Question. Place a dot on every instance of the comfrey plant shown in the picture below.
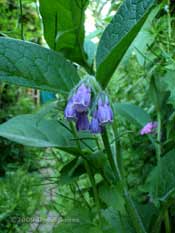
(96, 153)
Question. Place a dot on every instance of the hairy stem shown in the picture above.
(109, 152)
(132, 211)
(90, 174)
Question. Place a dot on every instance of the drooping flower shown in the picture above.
(69, 112)
(104, 112)
(82, 121)
(82, 98)
(148, 128)
(94, 125)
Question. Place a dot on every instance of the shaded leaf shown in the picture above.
(169, 82)
(112, 197)
(71, 171)
(116, 222)
(64, 26)
(78, 220)
(161, 181)
(132, 113)
(147, 212)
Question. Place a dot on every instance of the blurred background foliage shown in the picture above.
(151, 54)
(20, 197)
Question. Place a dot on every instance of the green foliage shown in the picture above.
(29, 65)
(118, 36)
(44, 133)
(17, 199)
(113, 197)
(161, 182)
(71, 171)
(132, 113)
(99, 176)
(64, 27)
(10, 24)
(90, 49)
(80, 219)
(169, 83)
(115, 222)
(144, 39)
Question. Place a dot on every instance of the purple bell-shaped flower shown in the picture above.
(94, 125)
(69, 112)
(104, 112)
(82, 98)
(82, 121)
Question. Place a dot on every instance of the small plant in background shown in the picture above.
(91, 131)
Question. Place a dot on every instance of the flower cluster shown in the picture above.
(149, 128)
(77, 109)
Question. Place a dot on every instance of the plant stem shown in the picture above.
(158, 135)
(92, 180)
(21, 20)
(109, 152)
(118, 156)
(132, 211)
(159, 124)
(169, 26)
(90, 174)
(167, 222)
(82, 196)
(95, 192)
(75, 135)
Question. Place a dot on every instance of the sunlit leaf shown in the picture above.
(27, 64)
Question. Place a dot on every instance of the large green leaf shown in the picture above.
(132, 113)
(32, 130)
(64, 26)
(161, 181)
(30, 65)
(118, 36)
(144, 39)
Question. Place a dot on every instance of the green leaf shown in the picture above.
(147, 213)
(112, 197)
(30, 65)
(144, 39)
(78, 220)
(161, 181)
(64, 26)
(32, 130)
(71, 171)
(132, 113)
(169, 85)
(116, 223)
(90, 49)
(118, 36)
